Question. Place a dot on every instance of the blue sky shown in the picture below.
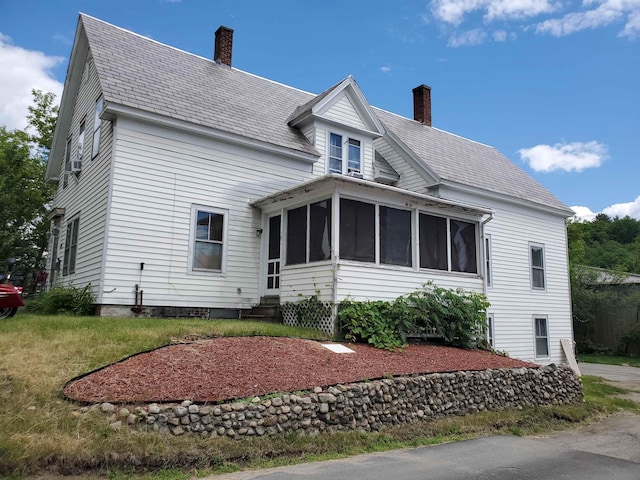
(553, 84)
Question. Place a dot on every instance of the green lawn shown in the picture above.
(609, 359)
(42, 434)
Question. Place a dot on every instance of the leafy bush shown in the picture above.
(59, 299)
(376, 322)
(458, 317)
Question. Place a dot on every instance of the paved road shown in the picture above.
(606, 450)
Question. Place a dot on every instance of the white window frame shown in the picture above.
(192, 239)
(491, 334)
(488, 258)
(536, 336)
(345, 142)
(95, 147)
(70, 248)
(533, 267)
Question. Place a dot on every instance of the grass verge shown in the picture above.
(41, 434)
(609, 359)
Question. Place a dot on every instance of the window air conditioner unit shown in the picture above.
(76, 165)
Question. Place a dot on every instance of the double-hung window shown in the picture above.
(71, 247)
(96, 127)
(536, 253)
(488, 274)
(208, 239)
(345, 156)
(542, 336)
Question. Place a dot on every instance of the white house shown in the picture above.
(188, 187)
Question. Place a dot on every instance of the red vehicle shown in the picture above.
(10, 296)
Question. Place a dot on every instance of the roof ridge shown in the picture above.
(194, 54)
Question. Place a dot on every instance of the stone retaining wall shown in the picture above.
(364, 406)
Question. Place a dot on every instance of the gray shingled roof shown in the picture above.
(466, 162)
(137, 72)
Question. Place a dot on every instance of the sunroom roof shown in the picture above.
(309, 187)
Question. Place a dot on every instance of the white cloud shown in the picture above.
(623, 209)
(632, 27)
(575, 17)
(385, 69)
(575, 156)
(605, 13)
(583, 214)
(21, 71)
(454, 11)
(470, 37)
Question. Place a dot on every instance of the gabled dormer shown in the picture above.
(342, 126)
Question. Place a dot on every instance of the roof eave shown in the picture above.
(564, 211)
(303, 187)
(79, 53)
(112, 110)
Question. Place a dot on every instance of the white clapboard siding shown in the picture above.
(86, 194)
(342, 111)
(513, 302)
(409, 177)
(361, 281)
(158, 176)
(308, 280)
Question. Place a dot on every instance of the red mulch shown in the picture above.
(239, 367)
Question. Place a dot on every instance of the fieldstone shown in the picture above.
(180, 411)
(154, 409)
(193, 409)
(107, 407)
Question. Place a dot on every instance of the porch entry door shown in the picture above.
(273, 255)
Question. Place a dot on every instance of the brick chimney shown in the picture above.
(223, 45)
(422, 104)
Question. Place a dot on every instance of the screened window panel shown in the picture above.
(357, 231)
(297, 236)
(274, 237)
(395, 236)
(433, 242)
(320, 231)
(463, 247)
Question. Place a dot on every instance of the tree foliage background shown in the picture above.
(606, 243)
(24, 193)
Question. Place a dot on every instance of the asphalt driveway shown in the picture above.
(609, 449)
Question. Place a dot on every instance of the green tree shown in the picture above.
(25, 194)
(43, 116)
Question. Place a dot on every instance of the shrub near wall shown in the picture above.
(362, 406)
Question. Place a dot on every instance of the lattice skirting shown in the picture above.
(309, 313)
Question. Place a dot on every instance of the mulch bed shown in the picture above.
(239, 367)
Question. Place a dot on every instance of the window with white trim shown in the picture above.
(541, 336)
(208, 239)
(345, 155)
(96, 127)
(71, 247)
(488, 274)
(490, 330)
(536, 253)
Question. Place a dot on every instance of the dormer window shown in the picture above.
(345, 157)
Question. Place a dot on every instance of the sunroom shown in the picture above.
(340, 237)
